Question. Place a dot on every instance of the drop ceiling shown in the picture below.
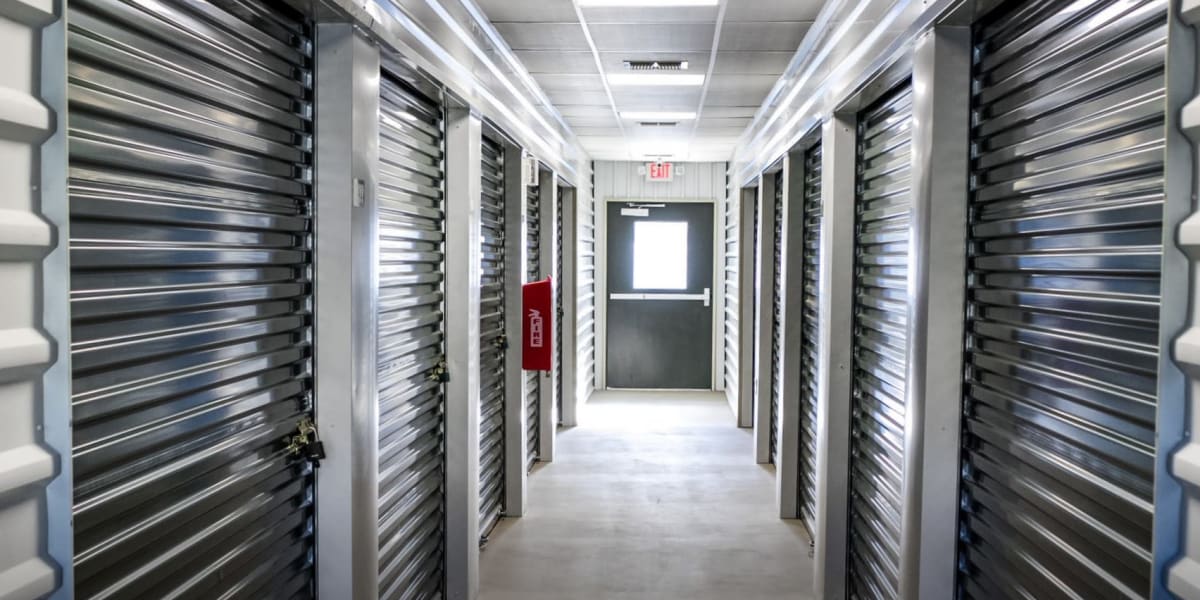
(741, 46)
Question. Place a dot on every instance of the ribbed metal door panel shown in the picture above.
(810, 288)
(777, 317)
(558, 304)
(410, 340)
(882, 206)
(1062, 332)
(585, 309)
(491, 342)
(533, 379)
(190, 190)
(732, 304)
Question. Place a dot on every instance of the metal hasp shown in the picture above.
(191, 297)
(1065, 295)
(35, 434)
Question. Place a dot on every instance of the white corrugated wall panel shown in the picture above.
(32, 407)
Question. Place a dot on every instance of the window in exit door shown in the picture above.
(660, 252)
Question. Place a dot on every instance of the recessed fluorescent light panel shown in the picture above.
(655, 79)
(648, 3)
(650, 115)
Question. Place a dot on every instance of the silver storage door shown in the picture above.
(732, 295)
(777, 317)
(533, 379)
(882, 205)
(559, 313)
(492, 342)
(810, 289)
(1063, 292)
(585, 298)
(191, 298)
(410, 342)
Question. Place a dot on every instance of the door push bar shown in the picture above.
(706, 296)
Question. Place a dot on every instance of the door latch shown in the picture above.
(440, 373)
(305, 443)
(501, 342)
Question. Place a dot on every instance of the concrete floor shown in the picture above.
(653, 496)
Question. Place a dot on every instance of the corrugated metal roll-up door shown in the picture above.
(1063, 301)
(191, 298)
(882, 206)
(732, 295)
(410, 343)
(777, 317)
(533, 379)
(585, 302)
(492, 342)
(558, 305)
(810, 340)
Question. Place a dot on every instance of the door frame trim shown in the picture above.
(602, 294)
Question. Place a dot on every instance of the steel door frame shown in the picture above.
(764, 309)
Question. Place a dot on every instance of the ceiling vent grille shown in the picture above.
(656, 65)
(658, 123)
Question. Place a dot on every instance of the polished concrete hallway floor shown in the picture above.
(653, 496)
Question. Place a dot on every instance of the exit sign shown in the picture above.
(659, 171)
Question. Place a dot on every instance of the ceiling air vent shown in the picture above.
(656, 65)
(658, 123)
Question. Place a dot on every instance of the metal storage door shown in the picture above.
(810, 336)
(191, 298)
(882, 205)
(732, 295)
(410, 343)
(533, 379)
(492, 342)
(558, 304)
(777, 317)
(585, 307)
(1063, 300)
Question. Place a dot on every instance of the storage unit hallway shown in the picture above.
(599, 299)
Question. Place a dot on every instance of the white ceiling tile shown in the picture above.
(753, 63)
(763, 37)
(590, 85)
(557, 61)
(772, 10)
(653, 37)
(729, 111)
(623, 15)
(528, 11)
(543, 36)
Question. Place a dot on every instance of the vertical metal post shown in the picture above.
(569, 321)
(834, 361)
(936, 289)
(787, 471)
(745, 324)
(548, 399)
(347, 157)
(1177, 469)
(763, 290)
(515, 258)
(463, 248)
